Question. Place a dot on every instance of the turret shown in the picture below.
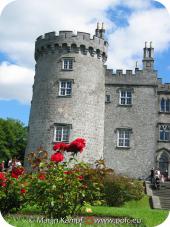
(69, 92)
(148, 57)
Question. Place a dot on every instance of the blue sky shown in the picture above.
(129, 23)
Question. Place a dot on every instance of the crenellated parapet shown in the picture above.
(164, 88)
(130, 77)
(67, 42)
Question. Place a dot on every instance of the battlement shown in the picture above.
(164, 88)
(67, 41)
(138, 77)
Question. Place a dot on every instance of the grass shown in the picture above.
(133, 209)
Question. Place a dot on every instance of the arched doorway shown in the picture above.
(163, 163)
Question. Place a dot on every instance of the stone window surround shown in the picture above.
(68, 59)
(165, 107)
(124, 129)
(62, 126)
(125, 89)
(160, 125)
(59, 88)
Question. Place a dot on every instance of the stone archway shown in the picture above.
(163, 162)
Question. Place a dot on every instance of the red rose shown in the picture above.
(17, 171)
(80, 177)
(77, 145)
(2, 179)
(23, 191)
(14, 175)
(67, 172)
(57, 157)
(42, 176)
(60, 146)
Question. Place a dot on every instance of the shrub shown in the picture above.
(56, 189)
(120, 189)
(12, 190)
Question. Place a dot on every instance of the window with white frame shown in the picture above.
(125, 97)
(65, 87)
(164, 132)
(61, 133)
(123, 138)
(67, 64)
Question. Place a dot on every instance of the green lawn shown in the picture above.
(133, 209)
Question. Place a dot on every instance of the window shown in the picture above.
(125, 97)
(107, 98)
(164, 133)
(65, 87)
(165, 105)
(123, 138)
(62, 133)
(67, 64)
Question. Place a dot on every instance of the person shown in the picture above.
(159, 173)
(157, 182)
(162, 178)
(2, 166)
(11, 164)
(152, 175)
(17, 163)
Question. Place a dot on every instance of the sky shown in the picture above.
(128, 23)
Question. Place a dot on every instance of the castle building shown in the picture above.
(125, 118)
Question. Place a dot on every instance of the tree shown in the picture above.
(13, 139)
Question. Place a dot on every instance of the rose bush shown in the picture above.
(59, 189)
(12, 190)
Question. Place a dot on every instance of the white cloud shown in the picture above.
(23, 21)
(15, 82)
(126, 43)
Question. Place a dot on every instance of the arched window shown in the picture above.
(64, 46)
(91, 50)
(163, 162)
(162, 105)
(168, 105)
(82, 49)
(73, 47)
(98, 53)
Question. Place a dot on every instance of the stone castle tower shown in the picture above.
(69, 91)
(125, 117)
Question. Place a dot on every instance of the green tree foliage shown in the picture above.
(13, 139)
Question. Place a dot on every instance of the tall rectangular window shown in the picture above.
(65, 87)
(125, 97)
(67, 64)
(62, 133)
(123, 138)
(165, 105)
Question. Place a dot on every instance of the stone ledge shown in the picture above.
(148, 189)
(156, 202)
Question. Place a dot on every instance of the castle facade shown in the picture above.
(124, 117)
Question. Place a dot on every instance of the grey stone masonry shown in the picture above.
(121, 115)
(83, 109)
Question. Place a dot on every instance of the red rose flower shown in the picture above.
(80, 177)
(67, 172)
(57, 157)
(2, 179)
(23, 191)
(17, 171)
(77, 145)
(60, 146)
(42, 176)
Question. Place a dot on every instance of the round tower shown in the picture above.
(69, 92)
